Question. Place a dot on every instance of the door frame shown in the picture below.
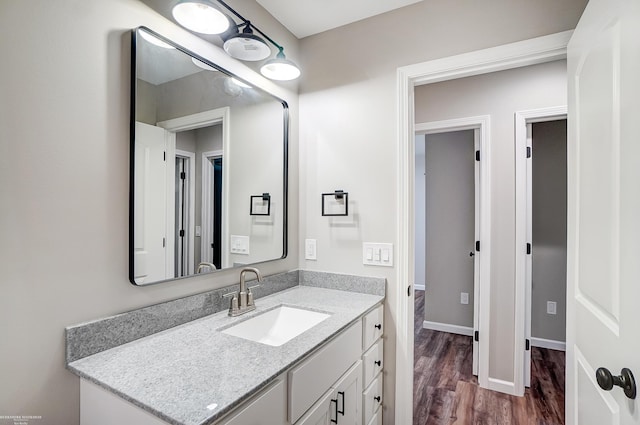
(191, 157)
(481, 125)
(522, 122)
(207, 213)
(205, 119)
(524, 53)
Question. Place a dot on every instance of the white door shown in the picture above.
(603, 211)
(151, 205)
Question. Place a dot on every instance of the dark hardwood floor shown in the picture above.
(446, 392)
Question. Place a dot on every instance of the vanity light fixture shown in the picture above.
(204, 17)
(280, 68)
(246, 45)
(201, 16)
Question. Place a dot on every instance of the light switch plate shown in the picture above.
(377, 254)
(464, 298)
(239, 244)
(310, 249)
(551, 307)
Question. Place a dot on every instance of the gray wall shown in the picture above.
(450, 227)
(64, 185)
(348, 127)
(549, 216)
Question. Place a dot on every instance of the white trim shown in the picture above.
(523, 230)
(206, 238)
(418, 287)
(549, 343)
(506, 387)
(528, 52)
(170, 203)
(482, 263)
(191, 156)
(204, 119)
(445, 327)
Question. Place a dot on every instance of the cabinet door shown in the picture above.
(322, 413)
(268, 407)
(348, 393)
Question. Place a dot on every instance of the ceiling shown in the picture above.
(308, 17)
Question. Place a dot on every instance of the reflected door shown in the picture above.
(150, 204)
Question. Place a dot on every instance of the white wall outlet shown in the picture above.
(239, 244)
(464, 298)
(377, 254)
(198, 231)
(310, 249)
(551, 307)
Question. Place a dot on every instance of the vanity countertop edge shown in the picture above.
(178, 374)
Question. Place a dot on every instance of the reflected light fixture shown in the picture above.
(204, 17)
(202, 65)
(155, 40)
(200, 16)
(246, 45)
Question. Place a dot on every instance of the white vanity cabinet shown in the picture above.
(341, 404)
(373, 363)
(339, 383)
(270, 406)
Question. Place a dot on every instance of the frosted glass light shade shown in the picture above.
(200, 17)
(155, 40)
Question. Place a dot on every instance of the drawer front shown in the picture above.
(372, 327)
(311, 378)
(372, 399)
(268, 407)
(373, 362)
(377, 418)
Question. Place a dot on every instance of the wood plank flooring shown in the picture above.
(446, 392)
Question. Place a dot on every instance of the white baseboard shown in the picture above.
(418, 286)
(499, 385)
(444, 327)
(549, 343)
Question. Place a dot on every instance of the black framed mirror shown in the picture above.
(204, 143)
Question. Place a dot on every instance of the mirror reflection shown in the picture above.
(208, 161)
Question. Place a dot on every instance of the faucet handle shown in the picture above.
(233, 305)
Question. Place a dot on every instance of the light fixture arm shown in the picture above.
(247, 22)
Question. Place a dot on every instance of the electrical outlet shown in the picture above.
(464, 298)
(551, 307)
(310, 249)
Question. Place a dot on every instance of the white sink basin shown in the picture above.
(277, 326)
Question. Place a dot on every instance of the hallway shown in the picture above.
(445, 391)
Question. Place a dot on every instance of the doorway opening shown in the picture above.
(541, 231)
(184, 203)
(524, 53)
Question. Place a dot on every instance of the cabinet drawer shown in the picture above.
(372, 327)
(373, 362)
(311, 378)
(269, 406)
(372, 399)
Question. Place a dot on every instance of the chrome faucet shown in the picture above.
(242, 302)
(205, 264)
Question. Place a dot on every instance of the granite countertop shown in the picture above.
(180, 374)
